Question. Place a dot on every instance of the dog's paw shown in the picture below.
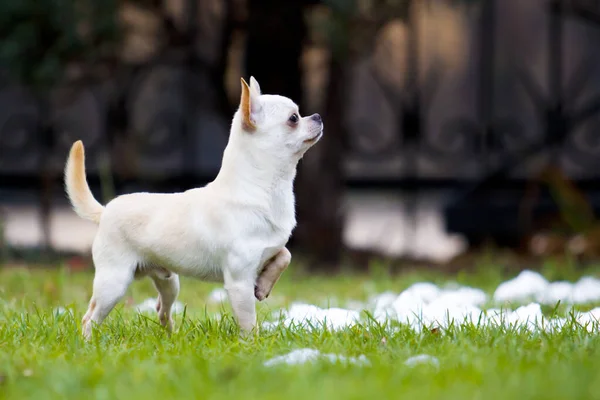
(250, 334)
(260, 293)
(166, 321)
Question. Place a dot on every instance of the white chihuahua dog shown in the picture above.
(234, 230)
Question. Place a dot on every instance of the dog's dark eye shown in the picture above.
(293, 119)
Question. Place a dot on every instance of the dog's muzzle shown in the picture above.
(315, 138)
(316, 118)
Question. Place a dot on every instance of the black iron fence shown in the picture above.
(495, 122)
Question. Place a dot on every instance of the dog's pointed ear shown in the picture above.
(250, 106)
(254, 86)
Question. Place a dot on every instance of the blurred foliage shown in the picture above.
(3, 246)
(351, 26)
(464, 2)
(575, 210)
(41, 37)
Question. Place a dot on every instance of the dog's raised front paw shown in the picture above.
(260, 293)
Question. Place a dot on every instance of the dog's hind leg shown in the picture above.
(167, 284)
(89, 312)
(271, 273)
(110, 285)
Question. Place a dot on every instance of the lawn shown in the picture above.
(42, 354)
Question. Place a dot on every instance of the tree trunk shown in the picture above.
(219, 70)
(320, 185)
(275, 36)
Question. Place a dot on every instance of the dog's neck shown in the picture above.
(246, 174)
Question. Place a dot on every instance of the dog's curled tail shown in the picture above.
(80, 195)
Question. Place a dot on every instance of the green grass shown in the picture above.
(42, 354)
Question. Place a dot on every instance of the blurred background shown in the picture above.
(452, 127)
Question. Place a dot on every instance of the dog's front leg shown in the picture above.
(271, 273)
(240, 290)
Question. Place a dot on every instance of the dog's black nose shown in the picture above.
(316, 117)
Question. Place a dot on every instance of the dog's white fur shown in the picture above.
(234, 230)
